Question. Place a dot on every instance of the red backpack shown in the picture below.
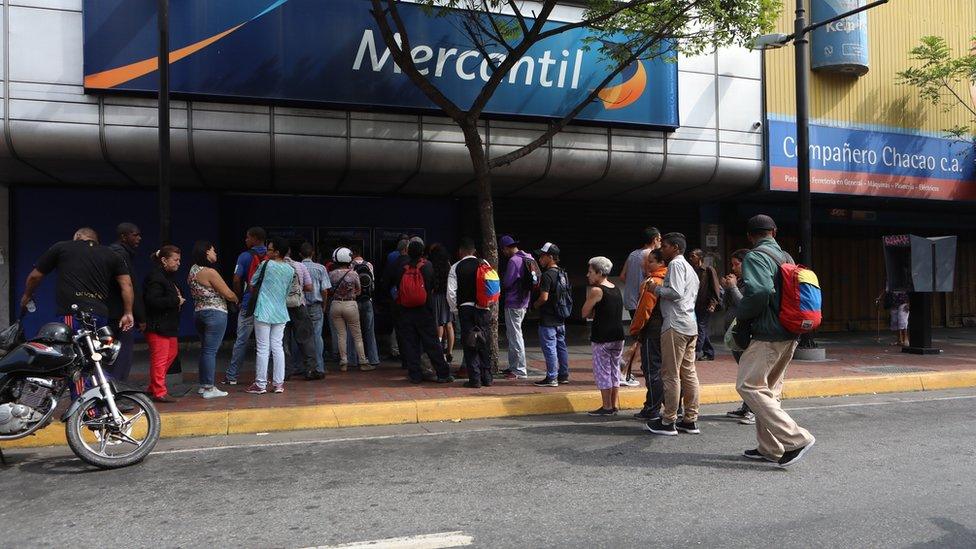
(256, 260)
(487, 285)
(800, 301)
(412, 291)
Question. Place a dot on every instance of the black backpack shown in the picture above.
(564, 299)
(531, 275)
(366, 280)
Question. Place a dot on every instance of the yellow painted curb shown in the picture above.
(330, 416)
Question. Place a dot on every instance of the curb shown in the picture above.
(332, 416)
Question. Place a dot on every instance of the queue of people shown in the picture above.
(283, 304)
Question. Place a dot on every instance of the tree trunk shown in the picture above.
(486, 215)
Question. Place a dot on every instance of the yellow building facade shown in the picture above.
(875, 99)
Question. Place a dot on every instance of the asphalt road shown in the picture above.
(887, 471)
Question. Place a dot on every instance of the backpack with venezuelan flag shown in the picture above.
(800, 301)
(487, 285)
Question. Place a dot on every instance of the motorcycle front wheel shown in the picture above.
(95, 438)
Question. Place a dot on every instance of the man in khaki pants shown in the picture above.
(679, 333)
(763, 364)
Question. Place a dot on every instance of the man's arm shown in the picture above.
(760, 286)
(544, 287)
(675, 283)
(238, 284)
(512, 272)
(452, 288)
(623, 272)
(125, 284)
(33, 281)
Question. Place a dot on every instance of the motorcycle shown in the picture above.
(107, 425)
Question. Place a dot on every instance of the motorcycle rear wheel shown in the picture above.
(97, 441)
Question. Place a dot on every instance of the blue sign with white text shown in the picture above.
(876, 163)
(313, 51)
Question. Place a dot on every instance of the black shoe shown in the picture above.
(313, 375)
(756, 455)
(738, 413)
(165, 398)
(601, 411)
(658, 427)
(681, 412)
(448, 379)
(689, 427)
(547, 382)
(563, 380)
(647, 415)
(429, 376)
(472, 384)
(793, 456)
(415, 380)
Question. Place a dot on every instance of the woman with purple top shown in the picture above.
(605, 306)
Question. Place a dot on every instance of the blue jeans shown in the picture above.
(369, 336)
(317, 316)
(245, 328)
(211, 324)
(553, 340)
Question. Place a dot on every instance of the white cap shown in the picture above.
(342, 255)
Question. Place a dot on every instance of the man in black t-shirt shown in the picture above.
(552, 326)
(86, 271)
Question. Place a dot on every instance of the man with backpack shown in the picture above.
(769, 348)
(522, 276)
(367, 282)
(247, 264)
(555, 305)
(462, 297)
(415, 316)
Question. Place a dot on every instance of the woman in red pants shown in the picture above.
(163, 301)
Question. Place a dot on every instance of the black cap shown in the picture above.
(761, 222)
(548, 249)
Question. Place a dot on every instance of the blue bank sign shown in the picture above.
(331, 52)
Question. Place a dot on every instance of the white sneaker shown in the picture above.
(201, 390)
(213, 392)
(630, 381)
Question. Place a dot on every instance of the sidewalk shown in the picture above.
(856, 363)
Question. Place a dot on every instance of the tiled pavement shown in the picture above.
(848, 355)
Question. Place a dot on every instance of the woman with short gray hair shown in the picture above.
(605, 306)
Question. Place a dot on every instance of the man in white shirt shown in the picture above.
(679, 334)
(462, 298)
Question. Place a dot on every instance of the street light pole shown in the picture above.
(800, 38)
(803, 146)
(803, 134)
(163, 115)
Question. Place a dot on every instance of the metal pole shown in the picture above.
(164, 156)
(803, 145)
(803, 134)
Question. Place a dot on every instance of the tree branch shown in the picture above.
(564, 121)
(404, 59)
(519, 17)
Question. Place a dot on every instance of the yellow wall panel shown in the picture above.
(875, 99)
